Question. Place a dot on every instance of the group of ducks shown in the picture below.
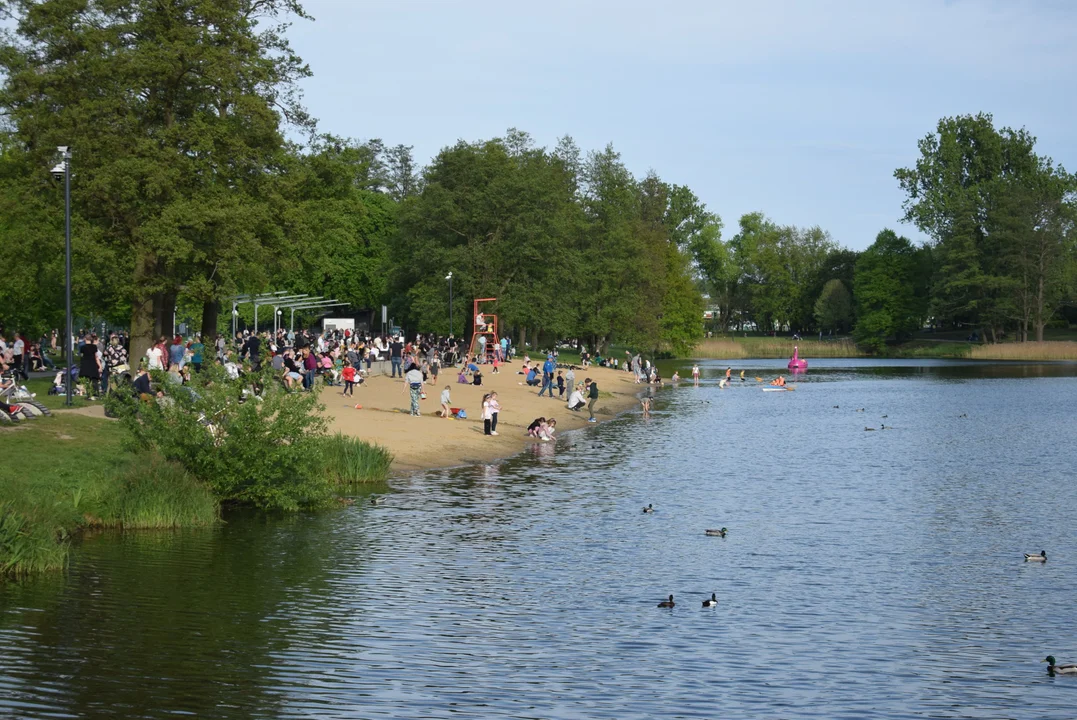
(1052, 665)
(711, 532)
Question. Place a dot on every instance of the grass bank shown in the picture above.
(68, 472)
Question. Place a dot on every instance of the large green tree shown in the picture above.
(886, 284)
(174, 112)
(972, 190)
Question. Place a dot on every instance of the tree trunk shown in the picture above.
(1040, 322)
(535, 339)
(143, 315)
(521, 338)
(210, 311)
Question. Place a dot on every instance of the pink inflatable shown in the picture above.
(796, 363)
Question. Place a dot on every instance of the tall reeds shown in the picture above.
(349, 460)
(1029, 351)
(764, 347)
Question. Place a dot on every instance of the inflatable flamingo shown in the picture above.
(797, 363)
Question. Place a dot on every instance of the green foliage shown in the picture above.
(153, 493)
(27, 547)
(264, 451)
(778, 266)
(994, 209)
(349, 460)
(173, 111)
(834, 308)
(73, 473)
(888, 305)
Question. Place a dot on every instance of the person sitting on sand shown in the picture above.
(575, 400)
(532, 377)
(476, 375)
(461, 379)
(551, 428)
(446, 400)
(534, 427)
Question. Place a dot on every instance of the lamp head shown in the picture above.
(449, 276)
(58, 171)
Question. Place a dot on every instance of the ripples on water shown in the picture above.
(866, 574)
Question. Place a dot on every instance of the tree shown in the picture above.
(885, 287)
(957, 193)
(174, 113)
(834, 307)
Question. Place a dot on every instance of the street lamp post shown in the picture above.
(449, 278)
(64, 168)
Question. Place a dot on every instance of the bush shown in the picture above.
(350, 460)
(264, 450)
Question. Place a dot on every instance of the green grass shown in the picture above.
(349, 460)
(55, 402)
(68, 472)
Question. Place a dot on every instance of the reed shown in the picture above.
(26, 546)
(764, 347)
(154, 493)
(1047, 350)
(349, 460)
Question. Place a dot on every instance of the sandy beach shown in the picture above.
(430, 441)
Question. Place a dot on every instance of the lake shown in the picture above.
(865, 574)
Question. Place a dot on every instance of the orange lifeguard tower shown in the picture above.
(485, 327)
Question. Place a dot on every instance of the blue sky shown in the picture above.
(799, 109)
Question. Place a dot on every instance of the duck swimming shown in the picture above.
(1052, 667)
(667, 603)
(713, 602)
(716, 533)
(1042, 557)
(649, 508)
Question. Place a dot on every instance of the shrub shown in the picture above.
(263, 450)
(351, 460)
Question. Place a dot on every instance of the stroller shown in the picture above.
(58, 386)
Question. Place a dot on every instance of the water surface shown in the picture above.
(865, 574)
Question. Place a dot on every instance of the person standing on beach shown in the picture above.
(446, 401)
(592, 394)
(413, 383)
(548, 368)
(490, 409)
(396, 352)
(349, 380)
(570, 379)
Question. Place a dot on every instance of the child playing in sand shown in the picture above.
(446, 413)
(551, 428)
(461, 379)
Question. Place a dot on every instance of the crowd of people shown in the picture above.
(342, 358)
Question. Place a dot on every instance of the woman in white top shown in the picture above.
(575, 400)
(154, 358)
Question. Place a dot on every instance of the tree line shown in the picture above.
(198, 174)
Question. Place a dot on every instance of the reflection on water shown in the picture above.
(866, 574)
